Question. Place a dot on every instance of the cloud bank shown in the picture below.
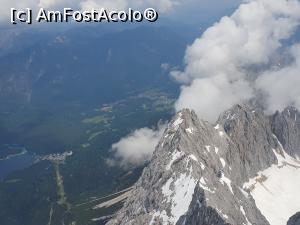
(219, 64)
(282, 86)
(137, 148)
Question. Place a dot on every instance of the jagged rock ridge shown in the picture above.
(286, 126)
(204, 174)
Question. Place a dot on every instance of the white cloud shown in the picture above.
(218, 63)
(282, 87)
(210, 96)
(219, 66)
(137, 148)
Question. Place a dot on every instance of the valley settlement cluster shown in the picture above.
(92, 15)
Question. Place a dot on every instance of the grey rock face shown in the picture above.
(251, 134)
(197, 214)
(286, 126)
(198, 169)
(294, 220)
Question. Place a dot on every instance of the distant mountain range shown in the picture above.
(86, 64)
(243, 170)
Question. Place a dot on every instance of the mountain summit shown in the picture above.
(243, 170)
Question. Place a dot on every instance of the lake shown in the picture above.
(14, 163)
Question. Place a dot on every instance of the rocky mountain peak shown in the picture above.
(250, 131)
(203, 174)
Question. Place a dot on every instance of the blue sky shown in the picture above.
(207, 12)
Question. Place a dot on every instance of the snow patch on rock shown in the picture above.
(227, 181)
(222, 214)
(175, 156)
(160, 215)
(181, 195)
(244, 213)
(217, 126)
(223, 162)
(216, 150)
(207, 147)
(190, 130)
(275, 189)
(193, 157)
(177, 122)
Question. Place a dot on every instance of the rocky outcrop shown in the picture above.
(286, 126)
(198, 171)
(294, 220)
(250, 132)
